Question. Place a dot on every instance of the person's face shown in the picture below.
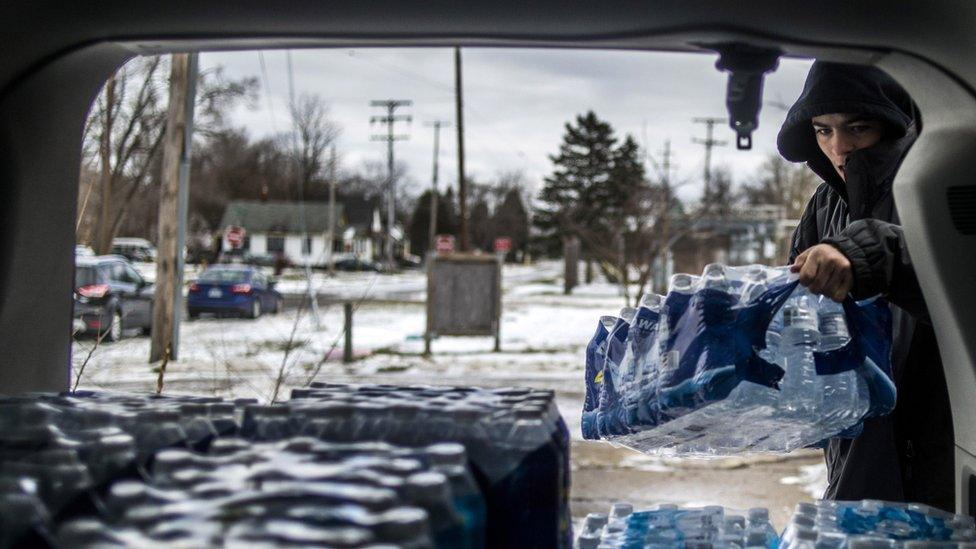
(840, 134)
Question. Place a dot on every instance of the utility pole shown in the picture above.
(432, 233)
(168, 298)
(708, 142)
(391, 106)
(666, 163)
(665, 225)
(330, 244)
(459, 116)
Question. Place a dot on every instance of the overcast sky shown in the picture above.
(516, 104)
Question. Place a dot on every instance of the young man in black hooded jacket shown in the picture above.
(852, 125)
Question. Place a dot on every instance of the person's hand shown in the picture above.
(824, 271)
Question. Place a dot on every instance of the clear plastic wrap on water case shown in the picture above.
(740, 359)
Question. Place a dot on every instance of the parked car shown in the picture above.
(233, 289)
(110, 296)
(356, 264)
(243, 257)
(134, 249)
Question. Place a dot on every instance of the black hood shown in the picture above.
(841, 88)
(857, 89)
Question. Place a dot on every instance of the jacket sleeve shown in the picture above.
(881, 265)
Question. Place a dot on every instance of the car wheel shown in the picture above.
(114, 332)
(193, 313)
(255, 308)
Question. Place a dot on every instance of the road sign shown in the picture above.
(503, 245)
(444, 243)
(235, 236)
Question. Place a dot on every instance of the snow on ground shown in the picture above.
(543, 337)
(543, 334)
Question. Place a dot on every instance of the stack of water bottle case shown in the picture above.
(867, 524)
(335, 466)
(738, 360)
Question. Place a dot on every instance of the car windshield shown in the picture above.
(85, 276)
(223, 275)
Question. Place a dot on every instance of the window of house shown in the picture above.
(276, 244)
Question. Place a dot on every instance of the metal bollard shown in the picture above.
(347, 330)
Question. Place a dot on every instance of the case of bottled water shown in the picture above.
(873, 524)
(740, 359)
(669, 526)
(336, 466)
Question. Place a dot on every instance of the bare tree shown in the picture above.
(781, 183)
(314, 133)
(124, 132)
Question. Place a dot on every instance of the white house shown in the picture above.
(300, 231)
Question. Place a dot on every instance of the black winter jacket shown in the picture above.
(907, 456)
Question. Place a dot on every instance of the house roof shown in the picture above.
(279, 216)
(359, 210)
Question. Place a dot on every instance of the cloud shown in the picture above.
(516, 103)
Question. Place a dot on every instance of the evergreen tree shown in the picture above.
(626, 189)
(480, 225)
(447, 221)
(512, 220)
(570, 199)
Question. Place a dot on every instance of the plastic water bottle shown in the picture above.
(758, 525)
(636, 365)
(596, 355)
(871, 524)
(754, 285)
(833, 325)
(800, 338)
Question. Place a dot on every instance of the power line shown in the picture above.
(709, 142)
(441, 86)
(391, 105)
(267, 94)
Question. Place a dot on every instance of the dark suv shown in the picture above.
(109, 296)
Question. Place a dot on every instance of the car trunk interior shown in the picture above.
(64, 55)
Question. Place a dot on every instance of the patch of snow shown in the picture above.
(812, 479)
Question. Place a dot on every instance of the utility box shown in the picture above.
(464, 296)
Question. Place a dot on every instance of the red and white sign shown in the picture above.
(503, 245)
(444, 243)
(235, 236)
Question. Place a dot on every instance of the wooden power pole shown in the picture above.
(459, 115)
(391, 106)
(432, 227)
(167, 300)
(708, 142)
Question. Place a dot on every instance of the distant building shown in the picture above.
(298, 231)
(365, 229)
(754, 235)
(275, 227)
